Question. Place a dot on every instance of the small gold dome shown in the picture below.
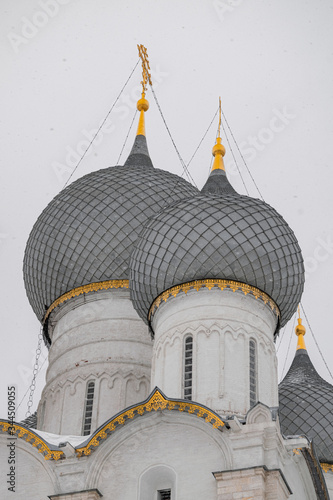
(142, 104)
(218, 148)
(300, 329)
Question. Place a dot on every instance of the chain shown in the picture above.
(34, 373)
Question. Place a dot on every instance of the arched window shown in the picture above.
(253, 372)
(88, 408)
(158, 482)
(188, 367)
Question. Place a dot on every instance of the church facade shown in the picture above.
(160, 306)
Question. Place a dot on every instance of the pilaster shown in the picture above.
(255, 483)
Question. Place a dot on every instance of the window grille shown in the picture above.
(164, 495)
(253, 373)
(188, 367)
(88, 408)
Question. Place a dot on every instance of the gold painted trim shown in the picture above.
(92, 287)
(327, 467)
(156, 402)
(32, 438)
(211, 283)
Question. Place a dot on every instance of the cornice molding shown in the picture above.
(19, 431)
(155, 402)
(91, 287)
(213, 283)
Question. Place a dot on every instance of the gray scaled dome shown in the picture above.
(306, 405)
(218, 234)
(87, 231)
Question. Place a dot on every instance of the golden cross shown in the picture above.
(146, 76)
(219, 117)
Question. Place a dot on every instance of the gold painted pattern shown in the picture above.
(155, 403)
(146, 76)
(327, 467)
(211, 283)
(33, 439)
(92, 287)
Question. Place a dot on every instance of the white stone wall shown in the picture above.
(170, 449)
(222, 324)
(35, 477)
(99, 337)
(159, 451)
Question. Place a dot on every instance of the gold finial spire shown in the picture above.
(220, 114)
(143, 104)
(218, 150)
(300, 332)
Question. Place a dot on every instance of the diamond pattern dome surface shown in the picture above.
(221, 236)
(306, 405)
(87, 232)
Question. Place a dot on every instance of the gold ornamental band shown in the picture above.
(92, 287)
(327, 467)
(19, 431)
(155, 402)
(211, 283)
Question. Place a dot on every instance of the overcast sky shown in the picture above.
(63, 63)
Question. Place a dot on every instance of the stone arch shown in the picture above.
(156, 478)
(259, 414)
(35, 476)
(110, 460)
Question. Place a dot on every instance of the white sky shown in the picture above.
(59, 79)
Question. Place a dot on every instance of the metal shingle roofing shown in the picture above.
(87, 231)
(218, 234)
(306, 405)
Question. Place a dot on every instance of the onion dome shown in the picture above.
(306, 402)
(86, 233)
(218, 234)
